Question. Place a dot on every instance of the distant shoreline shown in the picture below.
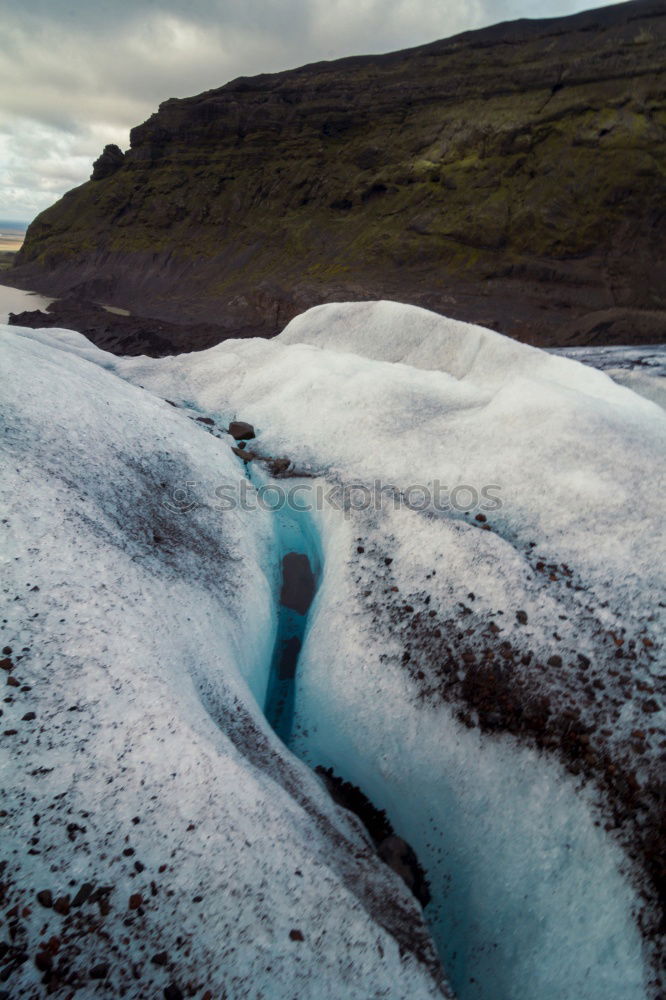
(12, 235)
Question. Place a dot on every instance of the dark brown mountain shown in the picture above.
(513, 176)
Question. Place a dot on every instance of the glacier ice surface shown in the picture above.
(533, 897)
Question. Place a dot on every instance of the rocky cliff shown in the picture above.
(514, 176)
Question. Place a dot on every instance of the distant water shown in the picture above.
(15, 300)
(12, 235)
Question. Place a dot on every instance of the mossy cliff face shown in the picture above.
(515, 176)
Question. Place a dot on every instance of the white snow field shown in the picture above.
(488, 673)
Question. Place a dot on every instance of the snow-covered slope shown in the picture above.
(385, 331)
(483, 657)
(175, 844)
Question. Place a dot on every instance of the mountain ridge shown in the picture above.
(511, 176)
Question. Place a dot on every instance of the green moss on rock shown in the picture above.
(490, 153)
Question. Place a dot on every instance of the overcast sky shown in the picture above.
(76, 74)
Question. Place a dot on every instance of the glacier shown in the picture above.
(642, 369)
(175, 844)
(490, 676)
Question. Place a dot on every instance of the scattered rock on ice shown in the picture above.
(241, 431)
